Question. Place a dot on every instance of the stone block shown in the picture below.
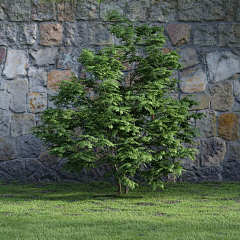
(203, 99)
(15, 168)
(233, 152)
(56, 76)
(163, 11)
(189, 164)
(16, 64)
(231, 171)
(29, 146)
(21, 124)
(28, 33)
(2, 13)
(36, 102)
(87, 10)
(45, 56)
(32, 165)
(18, 89)
(188, 176)
(213, 10)
(76, 34)
(210, 174)
(66, 12)
(19, 10)
(5, 117)
(49, 160)
(51, 34)
(228, 127)
(189, 10)
(205, 35)
(8, 33)
(213, 151)
(193, 80)
(65, 58)
(43, 11)
(2, 54)
(4, 100)
(231, 10)
(179, 33)
(37, 79)
(207, 125)
(99, 34)
(7, 149)
(189, 57)
(137, 10)
(6, 177)
(229, 35)
(222, 96)
(106, 6)
(222, 65)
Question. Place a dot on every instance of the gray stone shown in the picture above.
(4, 100)
(29, 146)
(16, 64)
(5, 117)
(98, 174)
(179, 33)
(222, 65)
(64, 58)
(14, 168)
(188, 176)
(49, 160)
(36, 102)
(18, 89)
(236, 87)
(87, 10)
(43, 11)
(205, 35)
(7, 149)
(76, 34)
(44, 174)
(6, 177)
(213, 10)
(137, 10)
(190, 10)
(28, 34)
(231, 171)
(99, 34)
(210, 174)
(32, 165)
(19, 10)
(2, 14)
(233, 152)
(229, 35)
(21, 124)
(213, 151)
(193, 80)
(162, 11)
(189, 164)
(116, 5)
(232, 10)
(222, 96)
(45, 56)
(207, 125)
(189, 57)
(37, 79)
(8, 33)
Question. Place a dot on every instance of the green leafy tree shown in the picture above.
(129, 121)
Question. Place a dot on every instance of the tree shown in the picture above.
(124, 120)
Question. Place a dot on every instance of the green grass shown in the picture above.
(81, 211)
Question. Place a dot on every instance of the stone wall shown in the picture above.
(39, 46)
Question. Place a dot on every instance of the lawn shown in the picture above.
(93, 211)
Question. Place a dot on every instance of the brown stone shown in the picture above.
(2, 54)
(51, 34)
(55, 77)
(222, 98)
(179, 33)
(65, 12)
(193, 80)
(203, 99)
(228, 127)
(213, 151)
(37, 102)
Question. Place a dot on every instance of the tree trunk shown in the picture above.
(126, 189)
(119, 187)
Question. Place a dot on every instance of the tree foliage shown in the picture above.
(125, 119)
